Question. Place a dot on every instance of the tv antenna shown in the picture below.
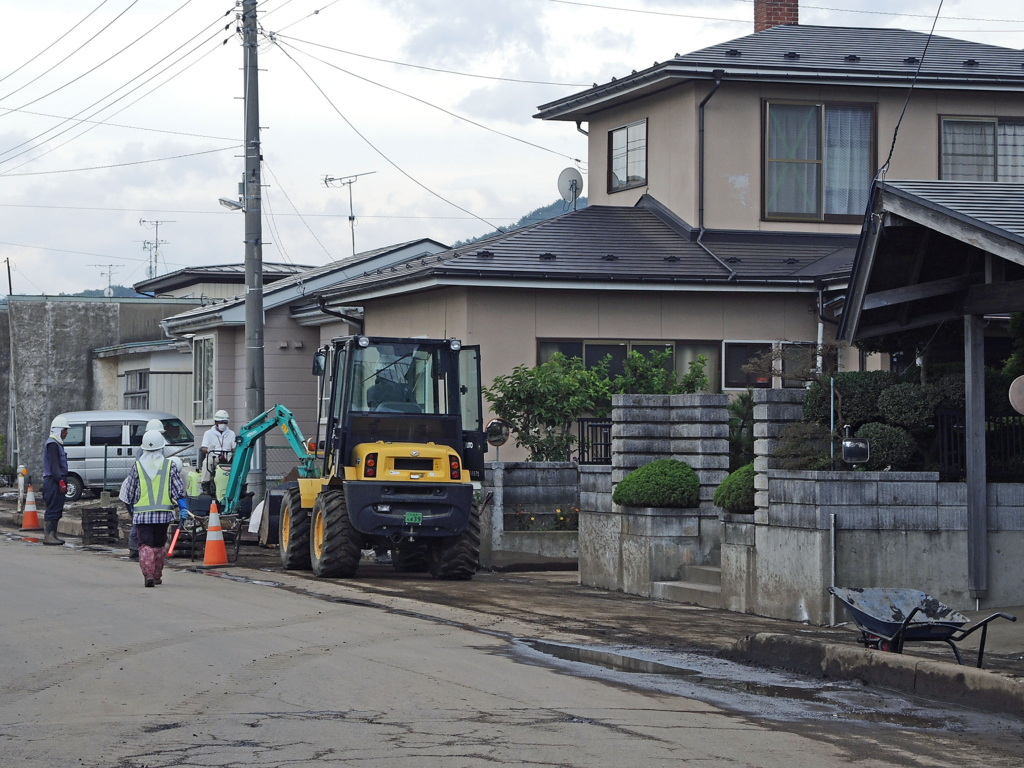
(570, 185)
(348, 181)
(153, 246)
(108, 271)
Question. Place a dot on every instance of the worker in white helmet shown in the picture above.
(55, 475)
(153, 425)
(218, 447)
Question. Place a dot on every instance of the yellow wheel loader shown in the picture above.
(403, 443)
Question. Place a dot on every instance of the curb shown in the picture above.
(936, 680)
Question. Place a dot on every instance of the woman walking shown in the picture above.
(152, 489)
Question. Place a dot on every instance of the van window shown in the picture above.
(176, 432)
(105, 434)
(76, 436)
(135, 432)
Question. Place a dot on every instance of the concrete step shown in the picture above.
(705, 595)
(704, 574)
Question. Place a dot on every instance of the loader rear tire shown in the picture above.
(457, 558)
(293, 532)
(410, 557)
(334, 545)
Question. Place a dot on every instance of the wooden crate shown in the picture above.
(100, 526)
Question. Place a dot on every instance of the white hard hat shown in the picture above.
(221, 416)
(59, 422)
(153, 441)
(154, 425)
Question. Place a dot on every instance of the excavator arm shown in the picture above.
(278, 416)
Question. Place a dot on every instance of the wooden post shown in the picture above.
(977, 510)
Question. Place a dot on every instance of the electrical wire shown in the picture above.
(894, 13)
(48, 71)
(120, 125)
(76, 26)
(81, 253)
(433, 106)
(372, 146)
(111, 93)
(122, 165)
(433, 69)
(268, 214)
(314, 13)
(115, 101)
(286, 197)
(892, 147)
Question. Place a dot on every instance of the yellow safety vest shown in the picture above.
(154, 492)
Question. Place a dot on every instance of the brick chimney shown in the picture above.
(772, 13)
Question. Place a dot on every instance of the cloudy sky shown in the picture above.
(155, 80)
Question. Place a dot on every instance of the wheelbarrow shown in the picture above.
(888, 618)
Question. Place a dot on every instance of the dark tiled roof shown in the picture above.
(643, 245)
(994, 206)
(215, 273)
(832, 55)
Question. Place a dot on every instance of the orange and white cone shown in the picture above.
(30, 520)
(215, 552)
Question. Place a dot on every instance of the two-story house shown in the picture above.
(727, 191)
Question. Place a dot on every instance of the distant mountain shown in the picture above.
(556, 208)
(120, 292)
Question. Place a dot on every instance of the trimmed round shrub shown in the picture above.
(952, 391)
(662, 483)
(860, 391)
(736, 493)
(911, 406)
(891, 447)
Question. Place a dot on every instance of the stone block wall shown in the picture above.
(773, 410)
(690, 428)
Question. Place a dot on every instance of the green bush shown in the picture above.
(891, 447)
(952, 389)
(653, 374)
(857, 394)
(662, 483)
(803, 446)
(911, 406)
(736, 493)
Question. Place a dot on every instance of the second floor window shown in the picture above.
(627, 156)
(818, 161)
(982, 150)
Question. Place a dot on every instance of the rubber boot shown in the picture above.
(50, 536)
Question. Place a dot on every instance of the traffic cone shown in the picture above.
(30, 520)
(215, 553)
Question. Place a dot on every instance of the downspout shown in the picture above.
(719, 74)
(585, 133)
(321, 302)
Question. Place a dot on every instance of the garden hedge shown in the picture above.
(736, 493)
(662, 483)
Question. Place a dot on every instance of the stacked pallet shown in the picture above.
(100, 526)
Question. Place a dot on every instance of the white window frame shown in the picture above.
(137, 392)
(647, 166)
(196, 378)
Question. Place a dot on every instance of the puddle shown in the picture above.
(749, 690)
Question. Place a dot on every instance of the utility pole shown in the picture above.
(348, 181)
(153, 246)
(10, 289)
(254, 372)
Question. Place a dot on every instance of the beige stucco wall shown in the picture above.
(733, 135)
(439, 314)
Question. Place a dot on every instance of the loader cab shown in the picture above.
(401, 391)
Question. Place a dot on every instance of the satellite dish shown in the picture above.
(1017, 394)
(108, 292)
(570, 184)
(150, 272)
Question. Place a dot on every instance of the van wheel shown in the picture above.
(335, 547)
(293, 532)
(457, 558)
(74, 488)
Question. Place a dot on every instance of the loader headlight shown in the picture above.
(363, 341)
(455, 344)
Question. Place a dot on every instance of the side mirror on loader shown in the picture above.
(319, 362)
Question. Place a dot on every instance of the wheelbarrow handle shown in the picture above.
(983, 626)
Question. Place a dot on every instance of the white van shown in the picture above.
(102, 446)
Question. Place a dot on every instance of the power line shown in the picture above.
(894, 13)
(433, 106)
(76, 26)
(314, 13)
(82, 253)
(372, 146)
(121, 165)
(286, 197)
(111, 93)
(119, 125)
(272, 225)
(44, 74)
(434, 69)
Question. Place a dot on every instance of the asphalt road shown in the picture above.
(209, 671)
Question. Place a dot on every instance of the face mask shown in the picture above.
(222, 427)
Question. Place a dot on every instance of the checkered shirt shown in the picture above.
(130, 493)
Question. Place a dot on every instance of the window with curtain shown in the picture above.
(627, 156)
(982, 150)
(202, 379)
(818, 160)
